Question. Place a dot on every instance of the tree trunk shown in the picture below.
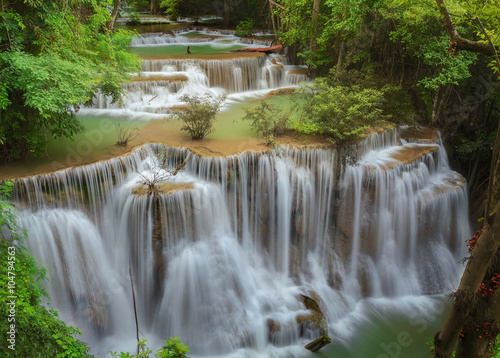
(482, 326)
(114, 14)
(340, 59)
(271, 13)
(439, 103)
(462, 43)
(464, 313)
(154, 9)
(479, 264)
(314, 19)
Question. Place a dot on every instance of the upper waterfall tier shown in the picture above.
(221, 257)
(165, 81)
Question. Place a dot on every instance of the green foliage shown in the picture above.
(54, 59)
(420, 31)
(173, 348)
(171, 8)
(479, 146)
(245, 28)
(337, 22)
(341, 112)
(199, 115)
(269, 120)
(39, 331)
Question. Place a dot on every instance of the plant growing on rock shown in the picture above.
(159, 172)
(199, 115)
(269, 120)
(125, 134)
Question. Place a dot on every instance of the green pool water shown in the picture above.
(402, 332)
(202, 49)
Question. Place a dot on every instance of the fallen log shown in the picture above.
(318, 343)
(266, 50)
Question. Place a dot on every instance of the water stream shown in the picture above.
(221, 258)
(223, 255)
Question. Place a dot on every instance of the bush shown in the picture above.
(268, 120)
(244, 28)
(341, 112)
(173, 348)
(199, 115)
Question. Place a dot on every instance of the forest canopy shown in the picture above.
(54, 57)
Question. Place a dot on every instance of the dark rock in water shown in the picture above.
(314, 321)
(318, 343)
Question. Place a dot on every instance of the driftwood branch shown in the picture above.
(181, 166)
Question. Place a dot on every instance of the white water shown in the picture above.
(234, 252)
(243, 78)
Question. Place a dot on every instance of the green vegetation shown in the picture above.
(245, 28)
(173, 348)
(37, 328)
(55, 56)
(269, 120)
(199, 114)
(342, 107)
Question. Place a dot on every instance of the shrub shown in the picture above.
(173, 348)
(244, 28)
(199, 115)
(268, 119)
(341, 112)
(125, 134)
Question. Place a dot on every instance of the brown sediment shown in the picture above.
(205, 56)
(165, 188)
(280, 91)
(407, 154)
(173, 78)
(300, 71)
(166, 131)
(20, 169)
(419, 134)
(203, 36)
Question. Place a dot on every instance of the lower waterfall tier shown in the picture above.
(228, 253)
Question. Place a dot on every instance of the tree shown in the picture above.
(199, 115)
(55, 56)
(474, 318)
(114, 14)
(32, 328)
(335, 25)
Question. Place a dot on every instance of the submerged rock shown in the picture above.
(318, 343)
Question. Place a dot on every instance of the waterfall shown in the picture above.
(221, 258)
(165, 81)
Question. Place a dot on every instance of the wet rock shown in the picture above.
(318, 343)
(315, 320)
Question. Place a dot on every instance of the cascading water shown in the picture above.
(222, 257)
(165, 80)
